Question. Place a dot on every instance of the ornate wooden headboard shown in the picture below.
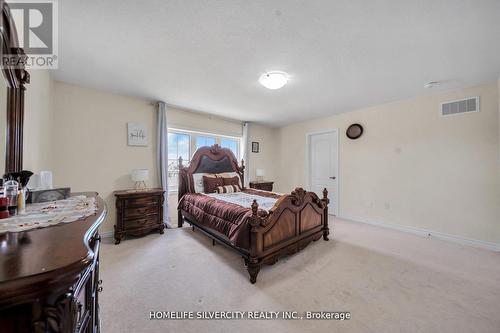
(212, 159)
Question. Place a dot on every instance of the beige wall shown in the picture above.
(90, 144)
(436, 173)
(266, 158)
(38, 122)
(90, 147)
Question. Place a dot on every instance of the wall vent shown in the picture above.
(470, 104)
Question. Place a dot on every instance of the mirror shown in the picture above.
(3, 124)
(11, 93)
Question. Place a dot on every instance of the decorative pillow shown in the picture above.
(228, 189)
(230, 175)
(198, 185)
(211, 183)
(231, 181)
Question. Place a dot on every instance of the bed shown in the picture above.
(261, 226)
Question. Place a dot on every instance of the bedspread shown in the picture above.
(227, 213)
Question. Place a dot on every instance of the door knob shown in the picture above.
(333, 177)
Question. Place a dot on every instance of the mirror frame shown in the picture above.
(15, 77)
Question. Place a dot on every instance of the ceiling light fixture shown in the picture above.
(273, 80)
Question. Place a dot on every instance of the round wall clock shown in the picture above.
(354, 131)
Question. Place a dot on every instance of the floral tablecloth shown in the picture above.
(41, 215)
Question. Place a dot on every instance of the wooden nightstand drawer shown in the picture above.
(133, 212)
(264, 186)
(133, 223)
(142, 201)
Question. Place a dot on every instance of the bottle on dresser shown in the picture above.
(13, 189)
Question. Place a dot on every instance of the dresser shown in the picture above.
(49, 277)
(262, 185)
(138, 212)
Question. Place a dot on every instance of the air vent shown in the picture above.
(461, 106)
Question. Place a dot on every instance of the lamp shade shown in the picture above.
(140, 175)
(46, 179)
(259, 172)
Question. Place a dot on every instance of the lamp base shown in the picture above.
(140, 186)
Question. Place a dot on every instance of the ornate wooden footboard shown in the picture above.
(295, 220)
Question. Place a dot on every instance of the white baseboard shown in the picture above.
(412, 230)
(427, 233)
(107, 234)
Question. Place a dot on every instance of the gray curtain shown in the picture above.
(246, 146)
(162, 156)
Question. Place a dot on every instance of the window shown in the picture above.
(183, 144)
(232, 144)
(204, 141)
(178, 146)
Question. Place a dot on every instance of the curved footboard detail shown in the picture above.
(294, 221)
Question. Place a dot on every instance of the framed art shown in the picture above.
(255, 147)
(136, 135)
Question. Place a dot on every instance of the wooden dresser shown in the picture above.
(49, 277)
(262, 185)
(138, 212)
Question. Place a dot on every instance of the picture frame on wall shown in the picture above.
(255, 147)
(136, 135)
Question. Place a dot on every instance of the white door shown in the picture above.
(323, 166)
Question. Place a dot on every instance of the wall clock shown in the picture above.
(354, 131)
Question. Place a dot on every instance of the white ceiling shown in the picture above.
(341, 55)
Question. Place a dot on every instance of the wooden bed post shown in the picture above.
(326, 201)
(242, 168)
(180, 220)
(253, 264)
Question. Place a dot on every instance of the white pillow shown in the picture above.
(198, 185)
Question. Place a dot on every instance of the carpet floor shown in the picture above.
(388, 280)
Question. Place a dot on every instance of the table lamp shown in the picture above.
(140, 177)
(260, 174)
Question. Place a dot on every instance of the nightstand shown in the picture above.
(262, 185)
(138, 212)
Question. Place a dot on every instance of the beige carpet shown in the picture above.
(389, 281)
